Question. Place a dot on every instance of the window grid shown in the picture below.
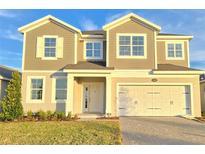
(50, 47)
(131, 45)
(93, 50)
(36, 89)
(175, 50)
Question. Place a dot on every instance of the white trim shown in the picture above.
(26, 28)
(155, 50)
(101, 50)
(24, 50)
(107, 48)
(131, 56)
(188, 54)
(75, 48)
(56, 50)
(28, 89)
(178, 72)
(128, 16)
(156, 84)
(174, 37)
(84, 36)
(174, 42)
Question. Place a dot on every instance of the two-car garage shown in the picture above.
(154, 100)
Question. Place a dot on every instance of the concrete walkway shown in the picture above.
(162, 131)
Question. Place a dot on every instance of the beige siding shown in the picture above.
(131, 27)
(202, 87)
(161, 55)
(33, 63)
(47, 104)
(194, 81)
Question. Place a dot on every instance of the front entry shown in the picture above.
(93, 97)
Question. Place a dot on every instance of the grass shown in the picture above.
(65, 132)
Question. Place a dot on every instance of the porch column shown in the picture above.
(70, 87)
(108, 96)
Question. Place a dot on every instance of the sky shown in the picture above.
(188, 22)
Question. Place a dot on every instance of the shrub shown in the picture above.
(50, 115)
(61, 115)
(11, 103)
(75, 117)
(30, 115)
(42, 115)
(69, 116)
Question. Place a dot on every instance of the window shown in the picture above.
(61, 89)
(36, 89)
(131, 45)
(175, 50)
(94, 50)
(50, 47)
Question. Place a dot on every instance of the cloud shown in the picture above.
(12, 35)
(8, 14)
(88, 24)
(116, 16)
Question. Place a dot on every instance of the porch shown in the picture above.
(89, 95)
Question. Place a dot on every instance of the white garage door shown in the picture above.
(154, 100)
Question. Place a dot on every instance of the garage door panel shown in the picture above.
(154, 100)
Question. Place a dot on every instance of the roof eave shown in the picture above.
(107, 26)
(24, 28)
(188, 72)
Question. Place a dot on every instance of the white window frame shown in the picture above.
(174, 42)
(28, 91)
(54, 90)
(101, 51)
(49, 58)
(131, 56)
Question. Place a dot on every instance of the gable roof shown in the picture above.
(6, 72)
(45, 20)
(128, 17)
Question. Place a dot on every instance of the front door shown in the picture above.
(93, 97)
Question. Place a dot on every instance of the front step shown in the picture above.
(91, 115)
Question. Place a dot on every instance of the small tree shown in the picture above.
(10, 105)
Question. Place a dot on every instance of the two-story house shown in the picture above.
(127, 69)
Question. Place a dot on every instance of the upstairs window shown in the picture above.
(131, 45)
(174, 50)
(50, 47)
(94, 50)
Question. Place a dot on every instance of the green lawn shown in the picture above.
(66, 132)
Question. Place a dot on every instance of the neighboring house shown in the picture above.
(202, 85)
(127, 69)
(5, 77)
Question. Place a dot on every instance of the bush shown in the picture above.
(61, 115)
(11, 103)
(69, 116)
(42, 115)
(50, 115)
(75, 117)
(30, 115)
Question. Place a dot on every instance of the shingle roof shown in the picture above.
(171, 67)
(88, 65)
(94, 32)
(6, 72)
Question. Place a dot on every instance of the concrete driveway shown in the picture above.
(161, 130)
